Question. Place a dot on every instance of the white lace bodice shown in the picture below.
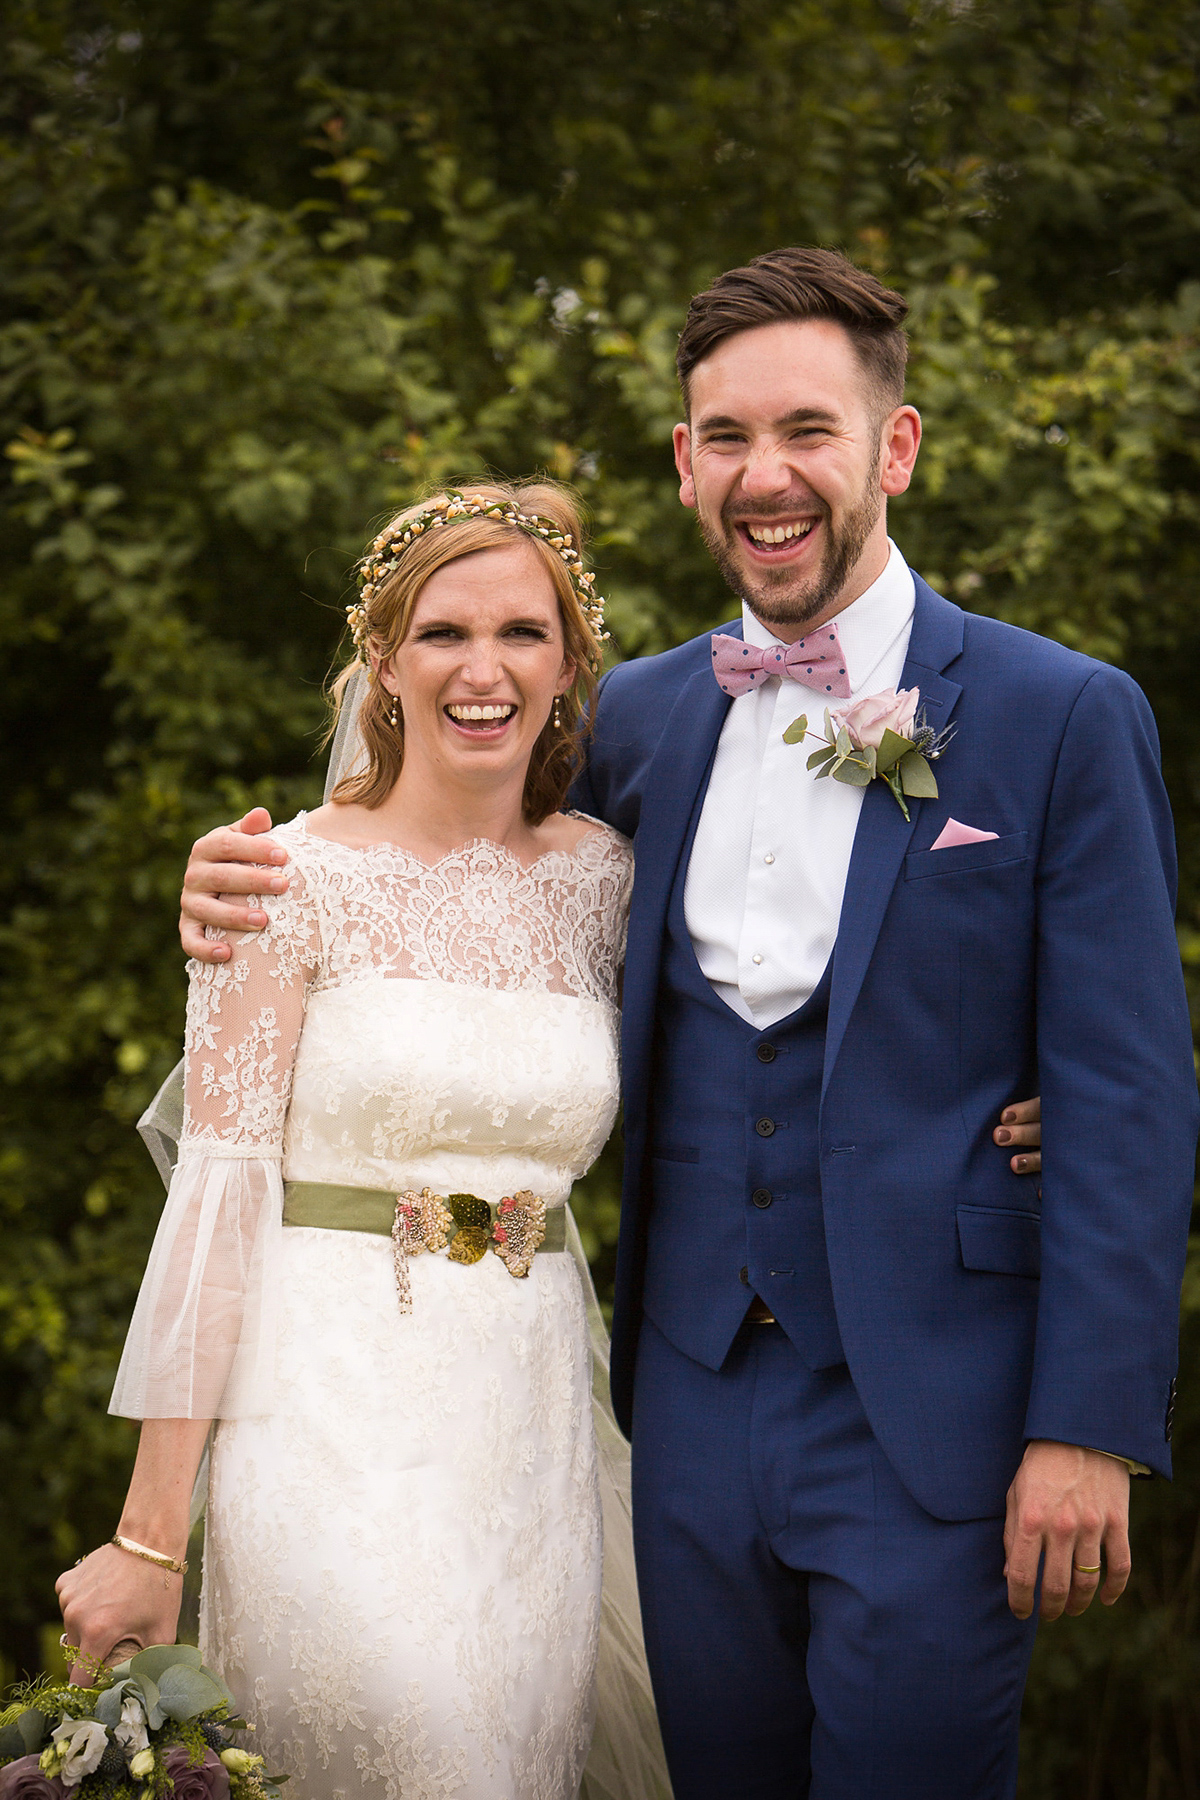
(395, 1025)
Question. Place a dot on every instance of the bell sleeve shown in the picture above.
(201, 1343)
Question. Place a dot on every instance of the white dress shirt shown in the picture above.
(763, 891)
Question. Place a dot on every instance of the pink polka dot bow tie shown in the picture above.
(816, 662)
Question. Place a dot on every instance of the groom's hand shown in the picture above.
(224, 863)
(1065, 1504)
(1020, 1128)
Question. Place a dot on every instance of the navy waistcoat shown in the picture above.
(735, 1173)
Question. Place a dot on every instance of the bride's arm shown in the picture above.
(114, 1597)
(201, 1343)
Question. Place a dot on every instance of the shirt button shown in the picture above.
(768, 858)
(765, 1127)
(766, 1053)
(756, 959)
(761, 1196)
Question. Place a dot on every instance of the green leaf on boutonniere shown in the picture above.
(819, 757)
(890, 751)
(917, 778)
(854, 770)
(842, 740)
(797, 731)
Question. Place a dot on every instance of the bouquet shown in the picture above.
(158, 1725)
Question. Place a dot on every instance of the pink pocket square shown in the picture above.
(953, 833)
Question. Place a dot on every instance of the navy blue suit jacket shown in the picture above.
(973, 1317)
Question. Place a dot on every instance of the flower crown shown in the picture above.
(384, 554)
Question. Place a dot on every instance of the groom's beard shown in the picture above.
(781, 596)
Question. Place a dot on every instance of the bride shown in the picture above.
(361, 1274)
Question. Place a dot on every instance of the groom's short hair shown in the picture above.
(802, 282)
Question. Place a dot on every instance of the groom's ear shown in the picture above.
(900, 441)
(682, 439)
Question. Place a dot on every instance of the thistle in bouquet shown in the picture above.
(883, 736)
(159, 1725)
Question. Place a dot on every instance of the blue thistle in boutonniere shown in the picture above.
(880, 737)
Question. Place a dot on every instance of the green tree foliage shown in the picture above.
(268, 270)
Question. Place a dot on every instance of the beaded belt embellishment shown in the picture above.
(463, 1225)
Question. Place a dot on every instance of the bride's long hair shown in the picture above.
(557, 754)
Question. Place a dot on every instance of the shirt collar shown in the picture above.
(868, 627)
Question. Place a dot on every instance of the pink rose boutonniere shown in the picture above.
(882, 735)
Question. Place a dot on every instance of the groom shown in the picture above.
(870, 1388)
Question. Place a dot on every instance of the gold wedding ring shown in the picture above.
(1086, 1568)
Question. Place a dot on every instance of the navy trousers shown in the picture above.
(811, 1630)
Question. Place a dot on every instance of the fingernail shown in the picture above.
(278, 884)
(1003, 1137)
(256, 918)
(279, 856)
(1022, 1162)
(1009, 1117)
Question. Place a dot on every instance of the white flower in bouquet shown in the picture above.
(142, 1765)
(130, 1731)
(76, 1746)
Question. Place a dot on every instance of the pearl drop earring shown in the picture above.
(557, 714)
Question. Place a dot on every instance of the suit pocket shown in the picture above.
(674, 1153)
(961, 859)
(1000, 1242)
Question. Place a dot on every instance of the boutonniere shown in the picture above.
(880, 736)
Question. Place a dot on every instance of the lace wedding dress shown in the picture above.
(402, 1560)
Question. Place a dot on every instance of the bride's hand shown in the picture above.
(221, 866)
(112, 1601)
(1021, 1128)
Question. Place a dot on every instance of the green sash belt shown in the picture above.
(328, 1207)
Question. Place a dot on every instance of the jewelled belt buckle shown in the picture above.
(429, 1221)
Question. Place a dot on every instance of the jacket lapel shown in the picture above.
(884, 834)
(673, 782)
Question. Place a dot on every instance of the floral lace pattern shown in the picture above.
(478, 918)
(402, 1566)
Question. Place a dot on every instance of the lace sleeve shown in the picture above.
(201, 1343)
(243, 1024)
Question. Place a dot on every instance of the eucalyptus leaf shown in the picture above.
(853, 772)
(819, 757)
(917, 778)
(891, 748)
(842, 740)
(153, 1662)
(185, 1692)
(797, 730)
(108, 1707)
(24, 1734)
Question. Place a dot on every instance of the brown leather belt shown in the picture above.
(759, 1313)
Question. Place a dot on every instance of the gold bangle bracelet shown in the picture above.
(177, 1565)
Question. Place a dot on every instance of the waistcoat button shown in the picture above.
(766, 1053)
(761, 1196)
(765, 1127)
(744, 1277)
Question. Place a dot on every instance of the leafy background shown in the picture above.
(269, 266)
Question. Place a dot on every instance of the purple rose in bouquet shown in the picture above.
(23, 1780)
(208, 1780)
